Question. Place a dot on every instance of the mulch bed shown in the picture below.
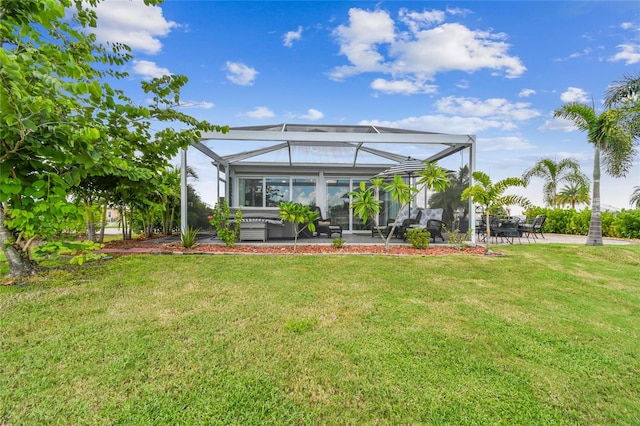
(146, 246)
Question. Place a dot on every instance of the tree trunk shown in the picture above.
(595, 227)
(103, 222)
(90, 219)
(18, 265)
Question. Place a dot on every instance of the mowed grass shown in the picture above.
(546, 335)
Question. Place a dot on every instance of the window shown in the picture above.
(338, 202)
(250, 192)
(304, 191)
(277, 190)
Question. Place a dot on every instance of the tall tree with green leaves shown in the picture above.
(554, 174)
(491, 196)
(62, 122)
(612, 147)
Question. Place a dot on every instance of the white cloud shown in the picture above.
(358, 42)
(574, 94)
(495, 108)
(149, 70)
(404, 87)
(196, 104)
(441, 123)
(372, 43)
(132, 23)
(629, 53)
(627, 25)
(575, 55)
(525, 93)
(292, 36)
(260, 112)
(419, 20)
(508, 143)
(463, 84)
(240, 74)
(312, 115)
(557, 125)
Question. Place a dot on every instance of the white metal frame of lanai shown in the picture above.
(362, 138)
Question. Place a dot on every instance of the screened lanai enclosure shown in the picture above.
(258, 167)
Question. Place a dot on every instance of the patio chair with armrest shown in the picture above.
(324, 226)
(508, 230)
(533, 228)
(435, 227)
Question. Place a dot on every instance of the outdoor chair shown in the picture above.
(508, 230)
(533, 228)
(435, 226)
(324, 226)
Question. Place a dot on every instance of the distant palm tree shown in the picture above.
(611, 140)
(491, 195)
(555, 173)
(449, 199)
(573, 194)
(635, 197)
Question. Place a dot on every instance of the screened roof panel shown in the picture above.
(347, 145)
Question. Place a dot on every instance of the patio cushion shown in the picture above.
(404, 214)
(430, 214)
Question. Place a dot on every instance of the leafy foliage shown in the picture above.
(623, 224)
(458, 239)
(337, 243)
(63, 124)
(298, 213)
(418, 238)
(365, 205)
(491, 197)
(188, 238)
(228, 231)
(80, 251)
(554, 173)
(635, 197)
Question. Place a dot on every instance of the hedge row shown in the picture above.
(623, 224)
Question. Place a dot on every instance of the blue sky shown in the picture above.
(494, 69)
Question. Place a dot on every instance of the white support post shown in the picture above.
(183, 191)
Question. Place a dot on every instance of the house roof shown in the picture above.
(321, 144)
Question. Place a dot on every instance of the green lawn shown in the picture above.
(548, 334)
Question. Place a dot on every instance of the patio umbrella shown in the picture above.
(407, 167)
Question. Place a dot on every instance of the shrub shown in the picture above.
(418, 238)
(188, 238)
(458, 239)
(623, 224)
(228, 231)
(627, 224)
(338, 243)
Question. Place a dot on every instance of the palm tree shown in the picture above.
(573, 194)
(612, 141)
(635, 197)
(555, 173)
(625, 96)
(491, 195)
(449, 199)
